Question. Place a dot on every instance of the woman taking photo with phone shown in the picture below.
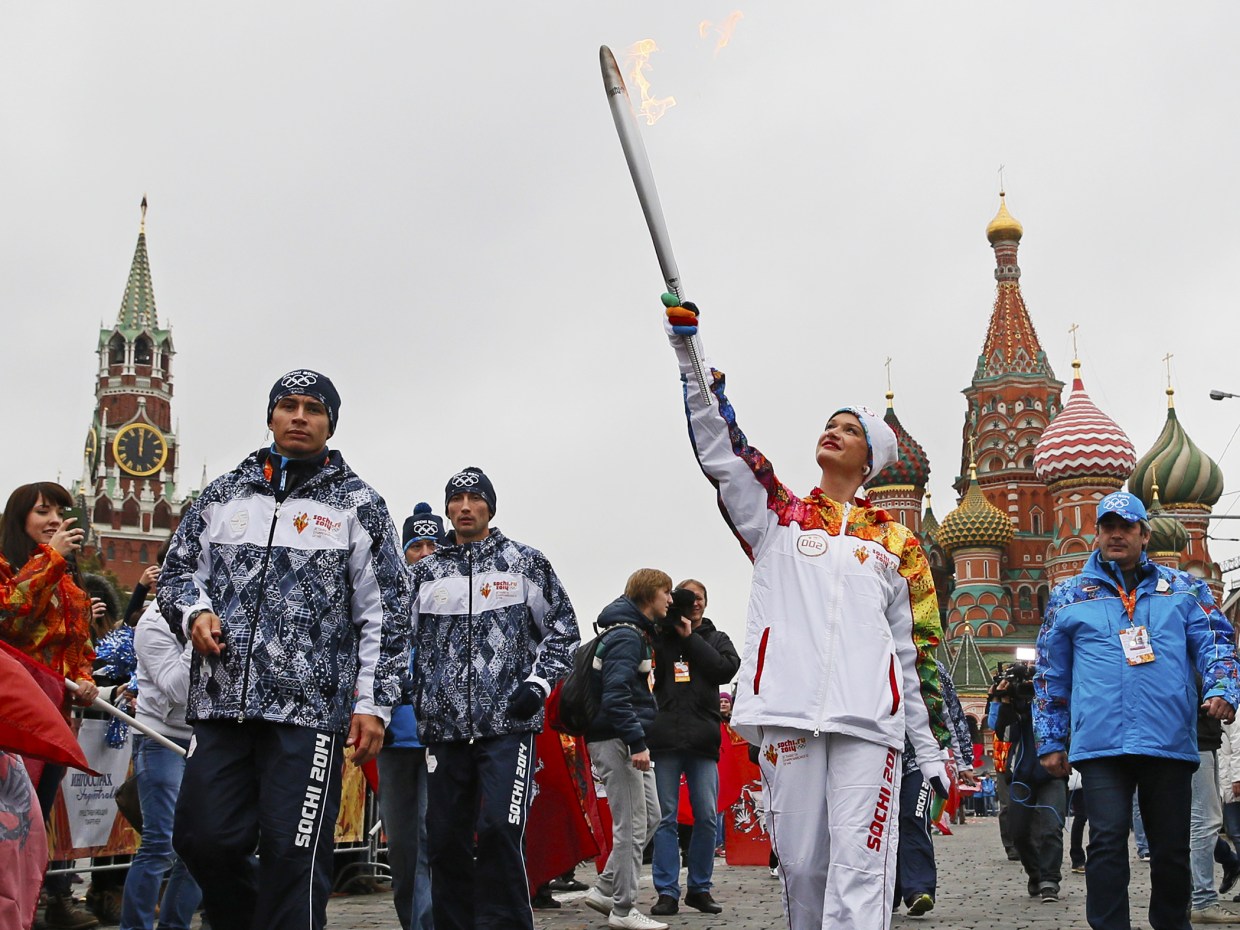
(45, 613)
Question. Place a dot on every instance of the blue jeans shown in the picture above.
(1206, 824)
(159, 771)
(402, 805)
(702, 775)
(1164, 791)
(1138, 830)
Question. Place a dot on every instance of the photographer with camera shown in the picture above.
(1039, 800)
(692, 660)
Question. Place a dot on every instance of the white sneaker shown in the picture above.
(1213, 915)
(633, 920)
(598, 901)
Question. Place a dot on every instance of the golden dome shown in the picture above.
(1004, 226)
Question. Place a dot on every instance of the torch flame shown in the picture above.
(638, 56)
(724, 30)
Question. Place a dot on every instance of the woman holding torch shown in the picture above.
(838, 658)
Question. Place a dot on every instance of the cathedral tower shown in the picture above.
(1012, 397)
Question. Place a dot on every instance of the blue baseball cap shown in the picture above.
(1124, 505)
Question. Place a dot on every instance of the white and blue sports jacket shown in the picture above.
(311, 591)
(488, 616)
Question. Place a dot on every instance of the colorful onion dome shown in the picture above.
(976, 522)
(1004, 226)
(911, 466)
(1082, 441)
(1167, 534)
(1187, 475)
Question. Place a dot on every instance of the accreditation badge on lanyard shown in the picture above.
(682, 671)
(1136, 640)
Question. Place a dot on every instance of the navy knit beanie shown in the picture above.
(473, 480)
(422, 525)
(309, 384)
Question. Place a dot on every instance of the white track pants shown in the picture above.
(834, 809)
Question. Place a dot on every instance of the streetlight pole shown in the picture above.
(1216, 394)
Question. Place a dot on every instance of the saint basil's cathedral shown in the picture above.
(1033, 469)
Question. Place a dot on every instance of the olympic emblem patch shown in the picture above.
(465, 479)
(301, 378)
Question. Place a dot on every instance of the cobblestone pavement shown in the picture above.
(979, 889)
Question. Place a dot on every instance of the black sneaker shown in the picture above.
(543, 901)
(567, 884)
(1049, 894)
(702, 901)
(1229, 879)
(665, 905)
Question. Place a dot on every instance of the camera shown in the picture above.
(1013, 681)
(682, 604)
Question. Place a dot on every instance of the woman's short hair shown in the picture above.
(16, 546)
(645, 583)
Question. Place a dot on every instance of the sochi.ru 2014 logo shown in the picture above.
(301, 521)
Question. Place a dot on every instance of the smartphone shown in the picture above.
(73, 513)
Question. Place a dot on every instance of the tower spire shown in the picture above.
(137, 310)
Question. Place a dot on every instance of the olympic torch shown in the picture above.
(647, 194)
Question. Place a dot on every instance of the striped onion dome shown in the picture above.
(911, 466)
(1186, 475)
(1167, 534)
(1082, 441)
(976, 522)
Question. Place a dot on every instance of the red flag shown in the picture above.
(23, 845)
(564, 827)
(31, 723)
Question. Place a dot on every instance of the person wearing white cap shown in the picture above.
(838, 661)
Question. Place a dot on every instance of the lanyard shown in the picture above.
(1129, 600)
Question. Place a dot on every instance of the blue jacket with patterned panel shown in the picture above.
(1084, 685)
(311, 591)
(488, 616)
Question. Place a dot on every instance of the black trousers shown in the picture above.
(478, 800)
(1164, 792)
(265, 787)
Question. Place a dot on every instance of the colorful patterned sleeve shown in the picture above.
(79, 650)
(555, 619)
(1212, 641)
(26, 596)
(1052, 676)
(916, 631)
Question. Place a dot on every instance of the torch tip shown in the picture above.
(612, 79)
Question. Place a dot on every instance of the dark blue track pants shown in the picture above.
(478, 800)
(265, 787)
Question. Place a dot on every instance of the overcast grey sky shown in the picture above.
(428, 203)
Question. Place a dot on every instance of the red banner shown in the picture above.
(564, 825)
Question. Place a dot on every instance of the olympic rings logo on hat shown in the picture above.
(465, 479)
(425, 528)
(301, 378)
(1116, 501)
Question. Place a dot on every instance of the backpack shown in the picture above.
(579, 696)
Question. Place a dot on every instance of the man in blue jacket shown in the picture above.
(1118, 655)
(402, 767)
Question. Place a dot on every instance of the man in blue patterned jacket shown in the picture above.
(287, 577)
(1119, 653)
(495, 630)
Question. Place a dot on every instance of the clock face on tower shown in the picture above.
(140, 450)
